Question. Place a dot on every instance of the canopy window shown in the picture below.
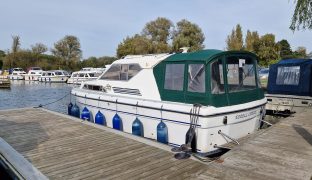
(217, 80)
(174, 77)
(288, 75)
(240, 73)
(196, 78)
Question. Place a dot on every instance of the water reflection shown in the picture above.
(34, 93)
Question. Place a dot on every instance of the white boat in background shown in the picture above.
(85, 74)
(33, 74)
(54, 76)
(203, 99)
(17, 74)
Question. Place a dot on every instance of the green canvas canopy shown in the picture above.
(192, 78)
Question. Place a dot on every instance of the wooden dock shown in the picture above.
(62, 147)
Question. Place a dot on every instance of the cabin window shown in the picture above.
(91, 75)
(196, 78)
(121, 72)
(32, 73)
(240, 73)
(174, 77)
(217, 80)
(58, 73)
(93, 87)
(81, 75)
(288, 75)
(75, 75)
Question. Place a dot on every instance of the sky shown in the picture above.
(101, 25)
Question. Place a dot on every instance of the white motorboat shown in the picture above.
(33, 74)
(289, 87)
(86, 74)
(54, 76)
(17, 74)
(203, 99)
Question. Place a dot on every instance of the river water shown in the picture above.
(33, 93)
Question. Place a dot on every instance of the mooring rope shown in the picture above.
(42, 105)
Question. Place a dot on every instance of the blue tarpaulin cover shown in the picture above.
(291, 77)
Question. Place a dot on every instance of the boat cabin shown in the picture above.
(55, 73)
(291, 77)
(209, 77)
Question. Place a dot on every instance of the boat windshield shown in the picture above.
(240, 73)
(121, 72)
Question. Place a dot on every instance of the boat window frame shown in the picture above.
(183, 80)
(256, 85)
(222, 72)
(126, 71)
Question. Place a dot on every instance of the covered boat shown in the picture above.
(289, 86)
(203, 99)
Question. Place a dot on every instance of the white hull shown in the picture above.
(241, 120)
(79, 80)
(32, 77)
(53, 79)
(16, 77)
(287, 103)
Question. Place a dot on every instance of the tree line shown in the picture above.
(265, 46)
(66, 54)
(160, 36)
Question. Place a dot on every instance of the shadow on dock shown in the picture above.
(303, 133)
(23, 136)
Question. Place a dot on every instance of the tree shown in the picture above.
(302, 17)
(39, 48)
(134, 45)
(68, 50)
(267, 50)
(235, 39)
(15, 47)
(301, 52)
(188, 35)
(251, 39)
(159, 32)
(285, 49)
(2, 55)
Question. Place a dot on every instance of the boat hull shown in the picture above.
(79, 80)
(58, 79)
(32, 77)
(236, 121)
(287, 104)
(16, 77)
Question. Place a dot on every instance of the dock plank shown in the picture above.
(62, 147)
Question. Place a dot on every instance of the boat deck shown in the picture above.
(63, 147)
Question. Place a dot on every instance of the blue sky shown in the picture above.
(101, 25)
